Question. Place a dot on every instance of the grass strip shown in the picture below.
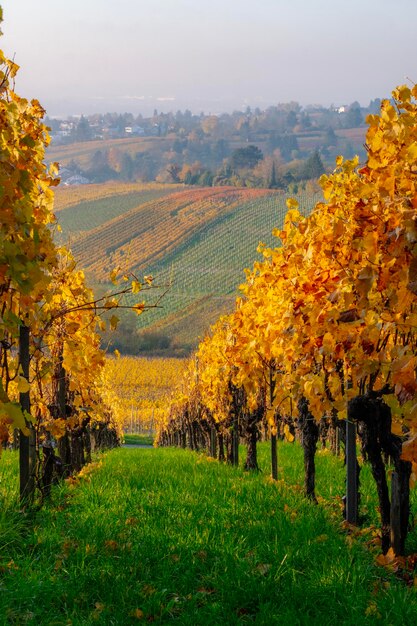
(167, 536)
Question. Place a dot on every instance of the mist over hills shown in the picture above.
(145, 104)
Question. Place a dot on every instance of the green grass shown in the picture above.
(138, 440)
(180, 539)
(14, 525)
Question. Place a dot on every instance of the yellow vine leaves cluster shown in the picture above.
(42, 289)
(330, 313)
(27, 252)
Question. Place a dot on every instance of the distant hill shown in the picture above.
(196, 240)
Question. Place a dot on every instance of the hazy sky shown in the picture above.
(132, 55)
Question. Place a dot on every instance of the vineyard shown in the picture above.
(142, 236)
(142, 389)
(196, 241)
(205, 274)
(83, 208)
(321, 344)
(312, 375)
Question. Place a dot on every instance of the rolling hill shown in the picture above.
(196, 240)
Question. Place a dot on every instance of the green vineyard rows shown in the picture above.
(211, 266)
(93, 213)
(196, 240)
(150, 231)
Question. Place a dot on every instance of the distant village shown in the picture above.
(250, 148)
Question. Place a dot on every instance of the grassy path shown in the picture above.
(170, 537)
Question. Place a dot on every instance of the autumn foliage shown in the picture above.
(53, 390)
(329, 317)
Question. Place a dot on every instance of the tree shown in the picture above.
(313, 167)
(246, 157)
(83, 130)
(353, 117)
(100, 169)
(220, 150)
(330, 137)
(286, 143)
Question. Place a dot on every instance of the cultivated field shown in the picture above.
(196, 243)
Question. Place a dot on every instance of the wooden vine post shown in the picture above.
(274, 447)
(213, 442)
(235, 440)
(395, 530)
(64, 446)
(27, 440)
(351, 474)
(274, 456)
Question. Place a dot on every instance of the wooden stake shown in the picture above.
(351, 474)
(27, 443)
(395, 532)
(274, 457)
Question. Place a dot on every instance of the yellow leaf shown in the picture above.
(328, 343)
(23, 385)
(72, 327)
(113, 275)
(396, 429)
(111, 303)
(57, 428)
(292, 203)
(412, 151)
(288, 434)
(139, 307)
(114, 320)
(14, 415)
(138, 614)
(136, 286)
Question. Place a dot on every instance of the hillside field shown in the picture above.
(195, 242)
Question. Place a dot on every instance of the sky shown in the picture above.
(86, 56)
